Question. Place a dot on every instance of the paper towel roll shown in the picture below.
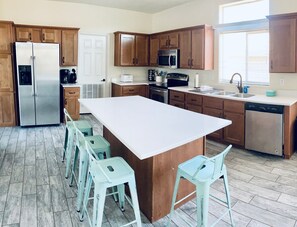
(196, 82)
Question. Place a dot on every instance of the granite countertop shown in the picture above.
(163, 127)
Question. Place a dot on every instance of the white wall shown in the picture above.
(206, 12)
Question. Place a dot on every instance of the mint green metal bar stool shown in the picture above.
(83, 126)
(105, 174)
(202, 172)
(101, 148)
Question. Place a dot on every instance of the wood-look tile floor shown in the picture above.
(34, 191)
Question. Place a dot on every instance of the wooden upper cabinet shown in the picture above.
(131, 49)
(169, 40)
(25, 33)
(185, 47)
(69, 46)
(154, 48)
(6, 78)
(51, 35)
(282, 36)
(196, 48)
(6, 34)
(28, 34)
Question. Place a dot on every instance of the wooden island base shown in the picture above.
(155, 176)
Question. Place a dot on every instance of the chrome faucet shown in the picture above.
(239, 84)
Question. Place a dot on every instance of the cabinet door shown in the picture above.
(36, 35)
(185, 49)
(51, 35)
(234, 133)
(24, 34)
(164, 42)
(154, 48)
(69, 47)
(6, 37)
(127, 50)
(141, 50)
(215, 113)
(72, 106)
(282, 45)
(173, 40)
(7, 111)
(6, 80)
(198, 50)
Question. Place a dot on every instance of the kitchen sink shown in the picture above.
(242, 95)
(214, 91)
(224, 93)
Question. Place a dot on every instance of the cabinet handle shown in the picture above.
(71, 92)
(192, 62)
(131, 89)
(136, 61)
(43, 36)
(176, 96)
(63, 60)
(65, 101)
(168, 42)
(30, 36)
(193, 100)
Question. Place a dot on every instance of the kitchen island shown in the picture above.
(153, 138)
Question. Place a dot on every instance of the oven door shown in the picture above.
(159, 94)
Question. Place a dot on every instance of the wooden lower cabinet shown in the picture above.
(194, 103)
(234, 111)
(71, 96)
(129, 90)
(7, 109)
(177, 98)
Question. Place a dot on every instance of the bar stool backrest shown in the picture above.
(94, 163)
(67, 117)
(218, 162)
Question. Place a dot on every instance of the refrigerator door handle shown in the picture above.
(34, 88)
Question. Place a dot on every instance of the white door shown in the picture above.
(92, 58)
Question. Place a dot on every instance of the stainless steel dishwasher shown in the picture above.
(264, 128)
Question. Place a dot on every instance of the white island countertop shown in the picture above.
(149, 128)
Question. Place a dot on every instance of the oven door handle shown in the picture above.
(170, 55)
(160, 90)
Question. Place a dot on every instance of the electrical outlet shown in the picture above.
(282, 82)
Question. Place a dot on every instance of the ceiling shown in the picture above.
(146, 6)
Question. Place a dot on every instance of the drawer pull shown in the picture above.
(176, 96)
(131, 89)
(71, 92)
(193, 100)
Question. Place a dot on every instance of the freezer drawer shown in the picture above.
(264, 132)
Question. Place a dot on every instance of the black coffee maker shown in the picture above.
(64, 75)
(72, 77)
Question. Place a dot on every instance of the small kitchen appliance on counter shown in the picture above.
(126, 78)
(72, 77)
(64, 74)
(152, 74)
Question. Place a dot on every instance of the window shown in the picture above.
(244, 41)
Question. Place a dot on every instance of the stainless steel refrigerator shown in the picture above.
(37, 69)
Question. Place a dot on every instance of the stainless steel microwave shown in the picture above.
(168, 58)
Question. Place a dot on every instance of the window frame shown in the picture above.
(259, 25)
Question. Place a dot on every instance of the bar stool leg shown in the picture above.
(81, 180)
(86, 196)
(121, 193)
(65, 144)
(225, 178)
(133, 191)
(174, 196)
(202, 198)
(98, 208)
(68, 153)
(74, 166)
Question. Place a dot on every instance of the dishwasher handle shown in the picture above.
(259, 107)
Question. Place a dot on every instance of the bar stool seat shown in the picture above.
(101, 148)
(105, 174)
(202, 172)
